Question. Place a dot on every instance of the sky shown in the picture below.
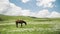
(34, 8)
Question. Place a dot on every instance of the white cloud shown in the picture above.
(25, 1)
(25, 12)
(45, 3)
(4, 5)
(17, 11)
(8, 8)
(46, 14)
(14, 10)
(43, 13)
(33, 14)
(54, 14)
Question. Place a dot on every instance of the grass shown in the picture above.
(34, 25)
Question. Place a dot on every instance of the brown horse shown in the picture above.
(21, 22)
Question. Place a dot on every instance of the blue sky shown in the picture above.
(31, 5)
(34, 8)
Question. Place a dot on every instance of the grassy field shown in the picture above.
(34, 25)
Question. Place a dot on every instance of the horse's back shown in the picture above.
(20, 21)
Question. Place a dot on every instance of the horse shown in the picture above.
(21, 22)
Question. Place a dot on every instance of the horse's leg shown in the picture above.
(21, 24)
(16, 24)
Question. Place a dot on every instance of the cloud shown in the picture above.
(14, 10)
(54, 14)
(25, 12)
(45, 3)
(25, 1)
(11, 9)
(4, 5)
(46, 14)
(17, 11)
(43, 13)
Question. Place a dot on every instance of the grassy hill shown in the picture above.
(34, 25)
(28, 18)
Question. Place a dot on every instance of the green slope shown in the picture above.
(27, 18)
(34, 26)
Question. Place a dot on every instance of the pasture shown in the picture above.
(34, 25)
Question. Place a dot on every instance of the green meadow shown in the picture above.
(34, 25)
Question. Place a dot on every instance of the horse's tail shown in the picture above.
(16, 24)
